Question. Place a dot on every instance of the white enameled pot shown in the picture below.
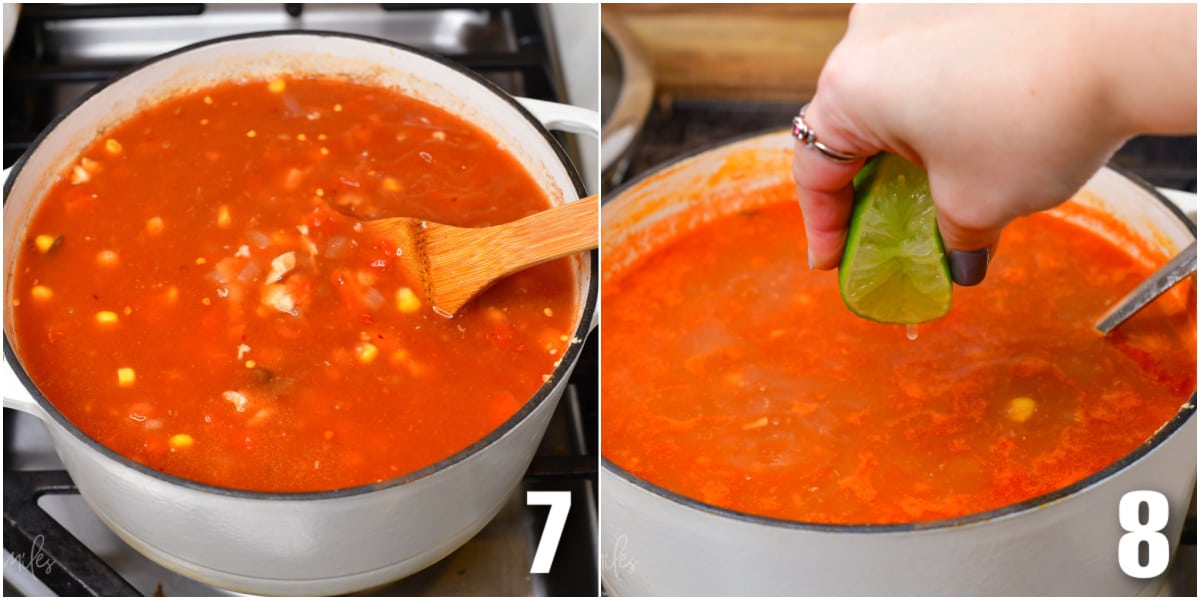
(310, 543)
(655, 542)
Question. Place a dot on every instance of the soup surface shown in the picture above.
(734, 375)
(187, 296)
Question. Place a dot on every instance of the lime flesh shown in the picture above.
(894, 269)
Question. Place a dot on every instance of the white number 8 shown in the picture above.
(1149, 533)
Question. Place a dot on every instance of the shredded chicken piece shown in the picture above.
(281, 265)
(277, 297)
(238, 399)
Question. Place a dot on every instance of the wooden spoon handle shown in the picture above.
(550, 234)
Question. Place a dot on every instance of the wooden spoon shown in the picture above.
(454, 264)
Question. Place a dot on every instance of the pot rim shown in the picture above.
(1185, 412)
(570, 356)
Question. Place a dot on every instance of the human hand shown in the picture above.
(1009, 108)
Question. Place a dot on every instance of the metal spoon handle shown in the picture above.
(1176, 270)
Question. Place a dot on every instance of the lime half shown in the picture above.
(894, 269)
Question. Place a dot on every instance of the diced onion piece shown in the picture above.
(41, 293)
(154, 225)
(126, 377)
(223, 218)
(259, 239)
(249, 272)
(372, 298)
(112, 146)
(106, 317)
(79, 175)
(277, 296)
(107, 258)
(335, 247)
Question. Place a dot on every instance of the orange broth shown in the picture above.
(735, 376)
(186, 296)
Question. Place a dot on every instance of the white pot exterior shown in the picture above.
(656, 543)
(297, 544)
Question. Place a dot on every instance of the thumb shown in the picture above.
(970, 245)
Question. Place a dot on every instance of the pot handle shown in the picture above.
(564, 117)
(1186, 201)
(571, 119)
(16, 395)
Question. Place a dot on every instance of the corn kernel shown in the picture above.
(204, 121)
(41, 292)
(172, 294)
(324, 151)
(181, 440)
(251, 133)
(302, 137)
(390, 184)
(125, 377)
(337, 108)
(44, 243)
(128, 311)
(112, 146)
(548, 312)
(407, 301)
(322, 137)
(277, 86)
(208, 100)
(223, 218)
(1021, 408)
(366, 352)
(250, 364)
(328, 435)
(106, 317)
(154, 225)
(107, 258)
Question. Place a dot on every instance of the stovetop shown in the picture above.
(53, 543)
(677, 128)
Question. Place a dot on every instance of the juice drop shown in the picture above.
(910, 331)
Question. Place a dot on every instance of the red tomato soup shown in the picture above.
(735, 376)
(188, 298)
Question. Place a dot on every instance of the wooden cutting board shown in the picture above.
(735, 51)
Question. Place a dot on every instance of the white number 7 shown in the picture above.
(560, 504)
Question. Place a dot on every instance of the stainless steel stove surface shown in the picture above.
(53, 543)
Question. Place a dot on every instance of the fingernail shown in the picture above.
(968, 268)
(810, 260)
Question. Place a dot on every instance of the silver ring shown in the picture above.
(802, 132)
